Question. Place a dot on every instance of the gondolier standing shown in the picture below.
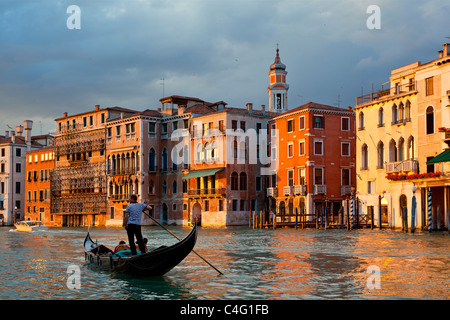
(132, 221)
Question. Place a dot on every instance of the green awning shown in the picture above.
(201, 173)
(443, 157)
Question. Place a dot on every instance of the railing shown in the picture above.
(119, 197)
(122, 171)
(320, 189)
(287, 190)
(272, 192)
(207, 192)
(402, 166)
(386, 92)
(300, 189)
(346, 190)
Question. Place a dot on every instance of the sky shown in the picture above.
(215, 50)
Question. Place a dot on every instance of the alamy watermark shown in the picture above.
(374, 280)
(74, 20)
(74, 278)
(374, 20)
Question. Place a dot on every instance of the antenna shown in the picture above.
(162, 86)
(338, 101)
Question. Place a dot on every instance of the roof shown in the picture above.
(315, 106)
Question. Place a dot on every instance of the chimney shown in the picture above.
(6, 134)
(249, 107)
(441, 53)
(97, 107)
(159, 109)
(13, 136)
(19, 130)
(445, 48)
(28, 125)
(65, 114)
(263, 109)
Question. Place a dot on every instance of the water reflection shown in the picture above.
(257, 264)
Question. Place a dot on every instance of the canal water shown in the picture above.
(282, 264)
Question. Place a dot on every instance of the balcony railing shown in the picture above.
(288, 190)
(386, 92)
(300, 190)
(320, 189)
(272, 192)
(122, 172)
(346, 190)
(403, 166)
(207, 192)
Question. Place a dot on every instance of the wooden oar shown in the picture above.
(180, 240)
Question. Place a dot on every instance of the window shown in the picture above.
(151, 187)
(164, 128)
(118, 131)
(164, 160)
(221, 127)
(91, 120)
(152, 160)
(18, 167)
(345, 149)
(318, 148)
(258, 127)
(17, 186)
(380, 117)
(345, 177)
(243, 181)
(290, 149)
(174, 125)
(301, 176)
(3, 152)
(253, 205)
(318, 122)
(301, 122)
(290, 125)
(234, 181)
(290, 174)
(243, 126)
(206, 205)
(361, 121)
(102, 116)
(301, 147)
(364, 157)
(174, 186)
(164, 187)
(2, 187)
(430, 120)
(18, 152)
(430, 167)
(199, 153)
(258, 184)
(273, 130)
(185, 186)
(130, 127)
(84, 121)
(429, 86)
(242, 206)
(380, 155)
(370, 187)
(152, 127)
(220, 205)
(318, 176)
(345, 124)
(234, 205)
(234, 124)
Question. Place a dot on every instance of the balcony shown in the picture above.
(288, 190)
(213, 192)
(403, 166)
(379, 95)
(272, 192)
(128, 171)
(320, 189)
(300, 190)
(346, 190)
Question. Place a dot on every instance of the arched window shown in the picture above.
(152, 160)
(243, 181)
(164, 187)
(401, 112)
(174, 158)
(215, 151)
(361, 121)
(199, 153)
(408, 111)
(381, 117)
(151, 187)
(401, 149)
(392, 151)
(235, 149)
(394, 114)
(234, 181)
(430, 120)
(410, 148)
(364, 157)
(380, 155)
(207, 152)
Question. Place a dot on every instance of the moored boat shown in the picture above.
(30, 226)
(156, 262)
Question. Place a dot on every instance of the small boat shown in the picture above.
(30, 226)
(156, 262)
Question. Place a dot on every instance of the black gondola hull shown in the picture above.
(154, 263)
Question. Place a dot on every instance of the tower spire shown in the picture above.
(277, 87)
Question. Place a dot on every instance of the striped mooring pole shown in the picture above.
(351, 214)
(430, 217)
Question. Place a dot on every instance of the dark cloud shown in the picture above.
(212, 49)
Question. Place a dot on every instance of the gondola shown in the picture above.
(156, 262)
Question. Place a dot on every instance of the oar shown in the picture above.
(180, 240)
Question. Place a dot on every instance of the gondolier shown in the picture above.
(132, 222)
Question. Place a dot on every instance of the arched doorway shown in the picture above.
(165, 213)
(197, 213)
(404, 212)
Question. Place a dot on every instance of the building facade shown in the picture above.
(316, 159)
(397, 136)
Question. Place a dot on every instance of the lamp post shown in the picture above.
(413, 209)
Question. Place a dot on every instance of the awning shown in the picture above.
(202, 173)
(443, 157)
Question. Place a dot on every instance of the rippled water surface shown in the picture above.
(277, 264)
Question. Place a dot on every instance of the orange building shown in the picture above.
(316, 159)
(39, 166)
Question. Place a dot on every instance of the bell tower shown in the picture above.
(277, 87)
